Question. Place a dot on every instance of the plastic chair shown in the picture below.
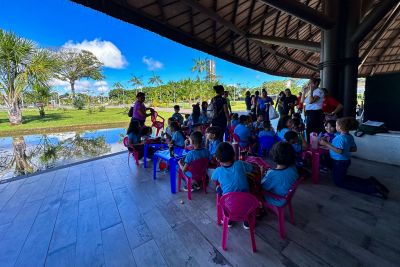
(131, 150)
(198, 169)
(280, 211)
(237, 206)
(265, 144)
(157, 124)
(247, 148)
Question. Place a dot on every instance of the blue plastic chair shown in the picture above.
(265, 144)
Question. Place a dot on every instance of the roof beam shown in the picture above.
(291, 43)
(302, 12)
(373, 18)
(215, 16)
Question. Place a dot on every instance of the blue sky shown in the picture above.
(125, 49)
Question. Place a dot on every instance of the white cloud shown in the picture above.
(105, 51)
(152, 64)
(100, 83)
(83, 86)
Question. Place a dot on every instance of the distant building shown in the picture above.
(210, 70)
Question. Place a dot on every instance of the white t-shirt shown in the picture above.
(317, 105)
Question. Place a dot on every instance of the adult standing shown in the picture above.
(331, 107)
(254, 101)
(220, 109)
(289, 102)
(263, 104)
(300, 102)
(314, 97)
(247, 100)
(279, 102)
(228, 101)
(138, 110)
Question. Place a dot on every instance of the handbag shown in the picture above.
(272, 113)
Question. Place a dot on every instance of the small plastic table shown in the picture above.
(172, 161)
(315, 156)
(156, 146)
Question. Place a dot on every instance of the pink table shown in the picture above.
(315, 156)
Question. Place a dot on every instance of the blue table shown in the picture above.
(156, 146)
(172, 161)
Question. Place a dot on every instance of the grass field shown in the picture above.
(71, 119)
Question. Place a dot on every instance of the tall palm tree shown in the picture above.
(199, 66)
(79, 64)
(121, 89)
(156, 81)
(136, 82)
(22, 65)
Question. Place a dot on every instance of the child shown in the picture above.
(212, 140)
(197, 153)
(296, 140)
(186, 121)
(330, 131)
(339, 151)
(284, 124)
(178, 117)
(178, 138)
(296, 125)
(135, 134)
(267, 130)
(243, 132)
(280, 179)
(168, 133)
(231, 176)
(258, 125)
(235, 119)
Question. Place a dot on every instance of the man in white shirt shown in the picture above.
(313, 102)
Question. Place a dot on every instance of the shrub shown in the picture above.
(102, 108)
(79, 103)
(91, 110)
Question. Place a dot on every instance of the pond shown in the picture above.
(31, 153)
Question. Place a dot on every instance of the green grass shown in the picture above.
(57, 120)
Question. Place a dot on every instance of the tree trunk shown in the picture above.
(73, 89)
(14, 114)
(22, 164)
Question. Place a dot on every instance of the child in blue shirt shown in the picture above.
(212, 140)
(243, 132)
(258, 124)
(342, 145)
(178, 138)
(284, 124)
(267, 130)
(280, 179)
(231, 176)
(235, 119)
(197, 153)
(178, 117)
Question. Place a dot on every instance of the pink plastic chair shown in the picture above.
(280, 211)
(231, 133)
(237, 206)
(157, 124)
(241, 148)
(131, 150)
(198, 169)
(315, 155)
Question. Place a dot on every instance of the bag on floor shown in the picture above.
(272, 113)
(371, 128)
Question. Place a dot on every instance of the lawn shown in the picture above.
(64, 120)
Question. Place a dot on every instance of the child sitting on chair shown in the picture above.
(135, 134)
(178, 138)
(231, 176)
(212, 140)
(280, 179)
(243, 132)
(168, 133)
(235, 119)
(186, 121)
(284, 124)
(178, 117)
(340, 148)
(258, 124)
(267, 130)
(198, 152)
(296, 140)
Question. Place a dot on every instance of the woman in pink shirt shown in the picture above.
(138, 110)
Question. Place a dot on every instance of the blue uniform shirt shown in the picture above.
(196, 154)
(279, 183)
(243, 133)
(233, 178)
(344, 142)
(178, 117)
(178, 139)
(212, 146)
(234, 122)
(266, 133)
(281, 133)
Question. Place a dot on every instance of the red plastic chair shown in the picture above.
(237, 206)
(131, 150)
(157, 124)
(280, 211)
(198, 169)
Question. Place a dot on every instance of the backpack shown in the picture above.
(212, 110)
(369, 129)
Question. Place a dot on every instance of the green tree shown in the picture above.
(136, 82)
(156, 81)
(41, 94)
(79, 64)
(199, 66)
(22, 65)
(118, 93)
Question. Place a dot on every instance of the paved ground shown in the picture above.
(103, 213)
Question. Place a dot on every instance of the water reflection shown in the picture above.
(27, 154)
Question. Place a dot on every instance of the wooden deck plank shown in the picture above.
(116, 247)
(148, 255)
(73, 180)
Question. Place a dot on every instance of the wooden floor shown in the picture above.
(102, 213)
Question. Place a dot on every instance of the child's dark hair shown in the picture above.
(282, 122)
(260, 115)
(146, 130)
(225, 153)
(267, 124)
(296, 122)
(134, 127)
(172, 119)
(187, 116)
(177, 107)
(316, 81)
(347, 123)
(196, 112)
(283, 154)
(290, 135)
(175, 126)
(219, 89)
(214, 130)
(197, 138)
(235, 116)
(331, 123)
(243, 119)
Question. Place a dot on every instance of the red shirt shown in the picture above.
(329, 104)
(299, 103)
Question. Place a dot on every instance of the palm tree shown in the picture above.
(199, 66)
(22, 65)
(156, 81)
(79, 64)
(120, 87)
(136, 82)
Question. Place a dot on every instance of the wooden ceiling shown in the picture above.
(224, 28)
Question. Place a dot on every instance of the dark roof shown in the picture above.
(222, 27)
